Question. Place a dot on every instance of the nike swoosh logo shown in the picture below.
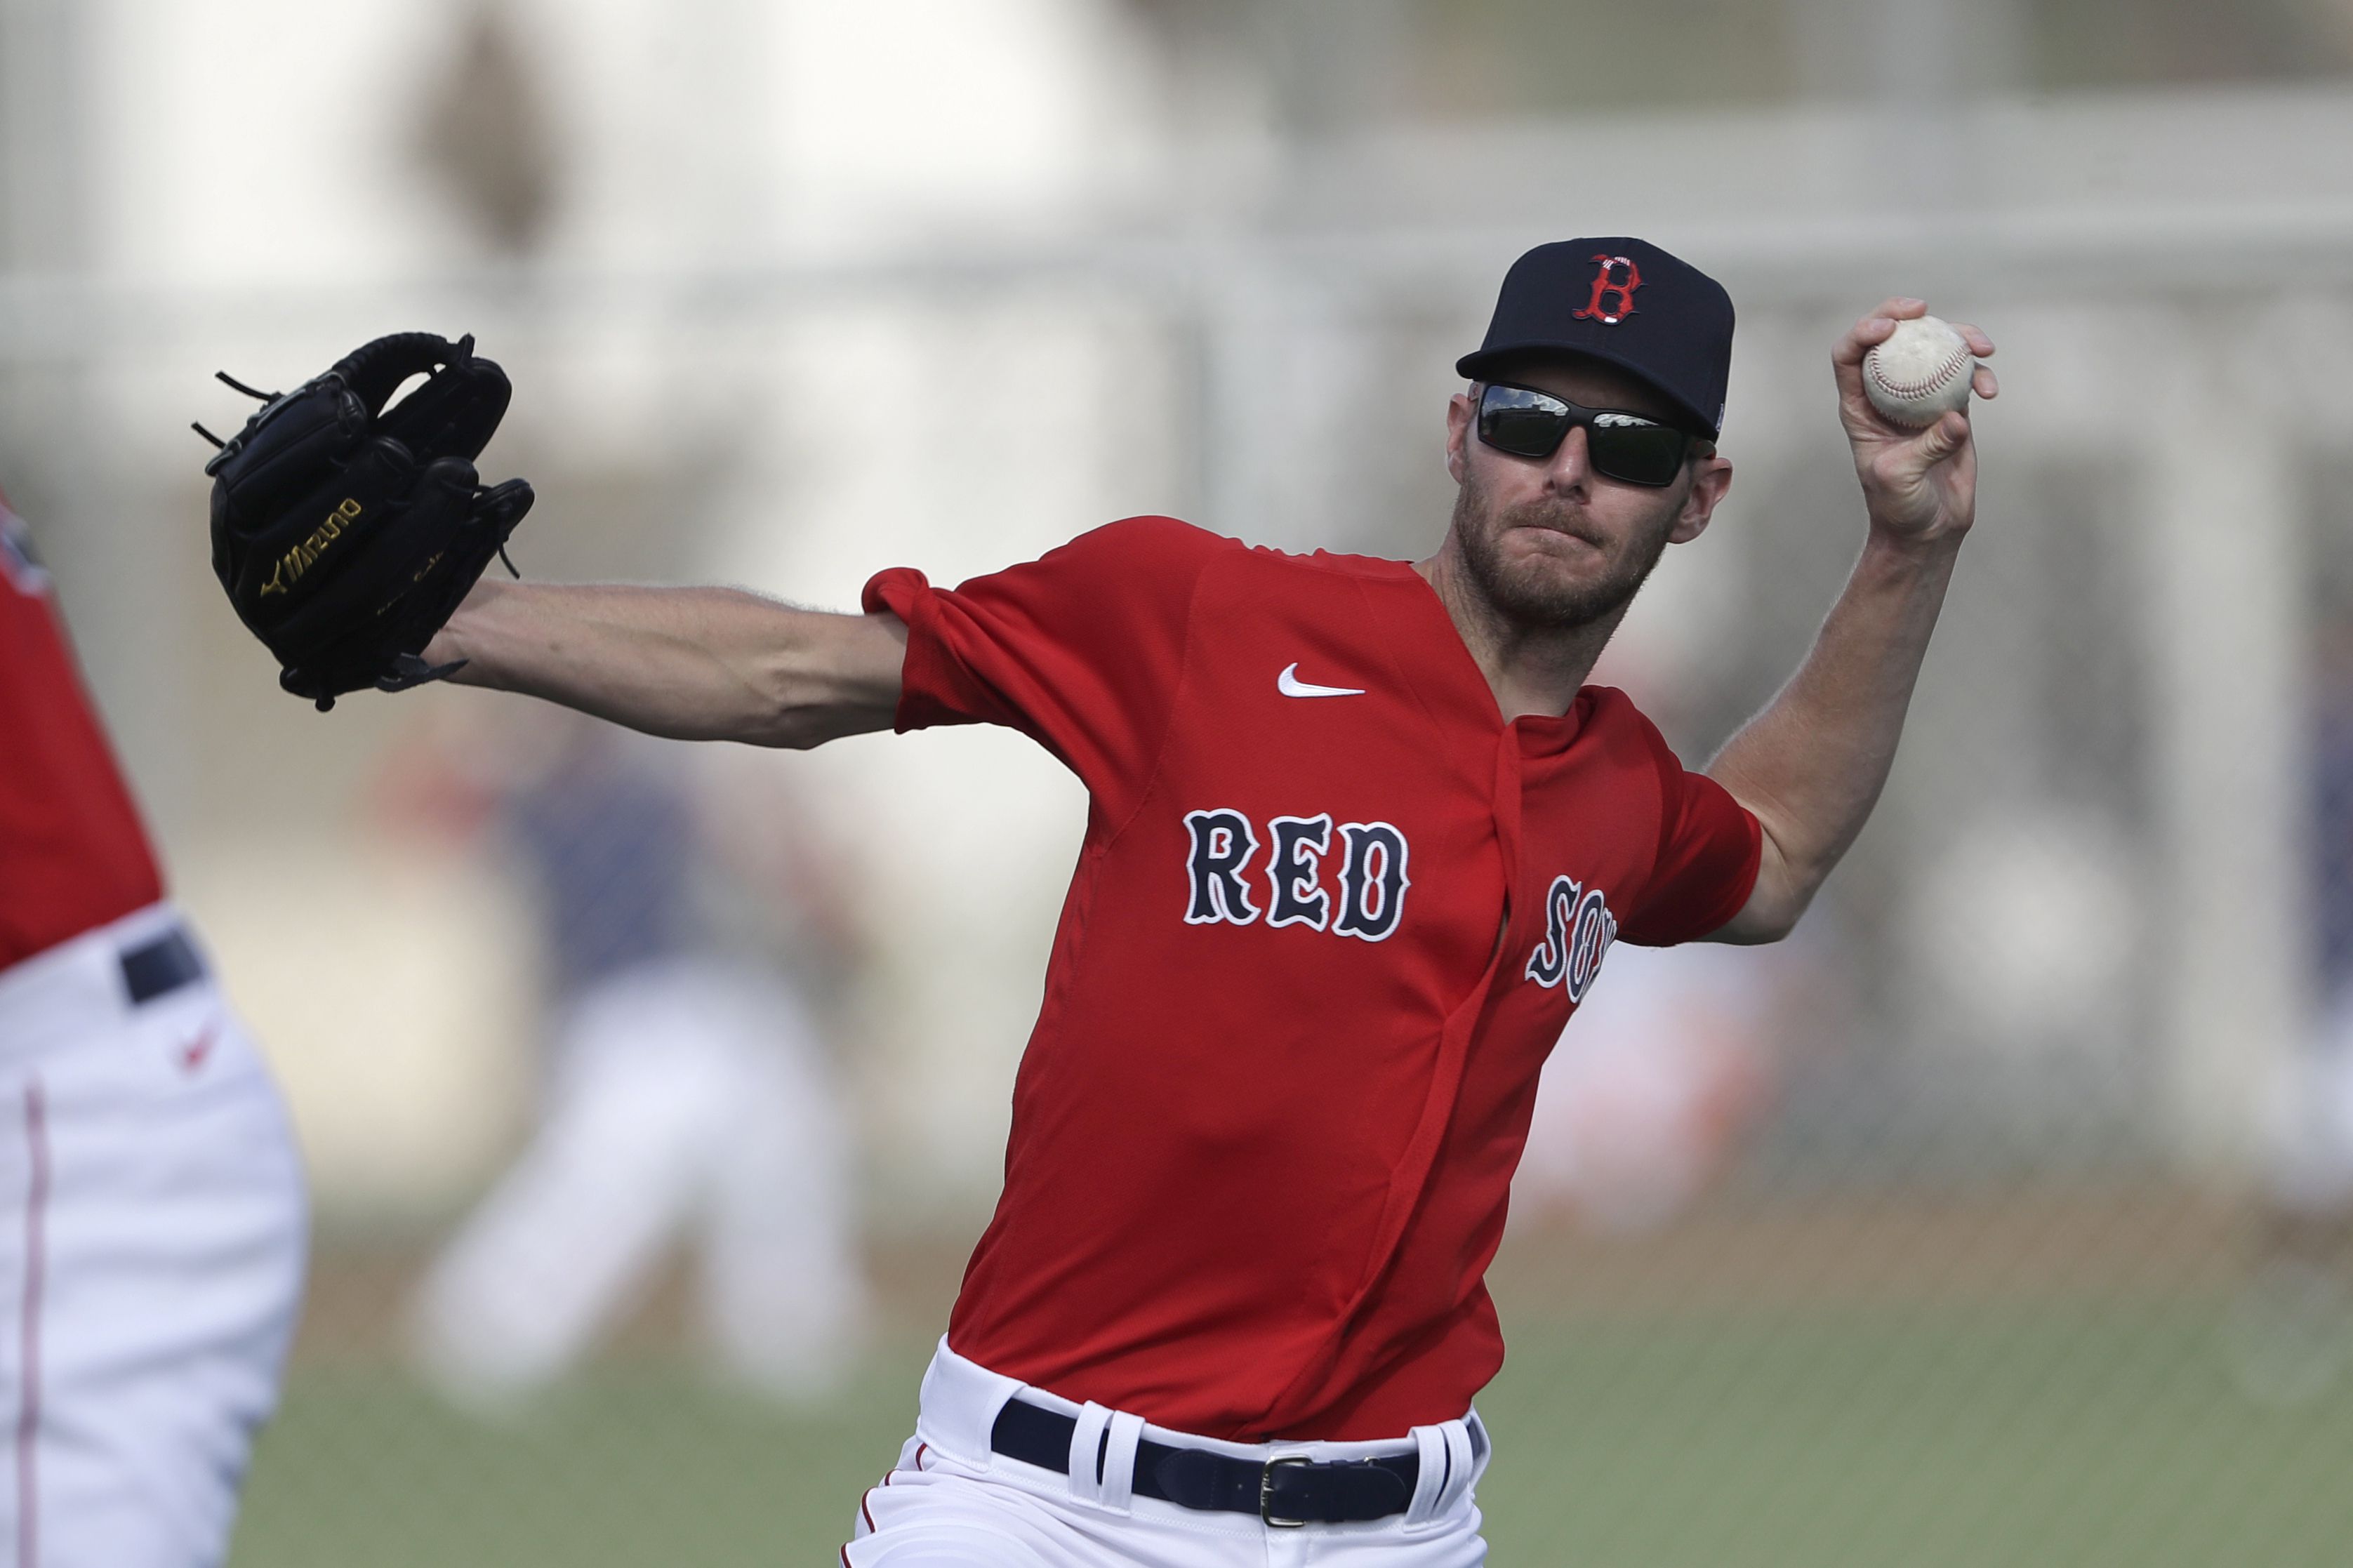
(1289, 685)
(193, 1055)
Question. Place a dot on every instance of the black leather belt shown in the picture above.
(157, 968)
(1290, 1490)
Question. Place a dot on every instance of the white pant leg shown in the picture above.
(153, 1232)
(674, 1098)
(568, 1238)
(2310, 1118)
(951, 1503)
(784, 1295)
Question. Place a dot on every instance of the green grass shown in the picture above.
(1916, 1438)
(2079, 1435)
(632, 1464)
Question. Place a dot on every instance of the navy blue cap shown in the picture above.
(1619, 299)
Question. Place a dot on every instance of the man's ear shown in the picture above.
(1459, 413)
(1711, 482)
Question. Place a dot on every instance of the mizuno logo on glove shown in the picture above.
(297, 561)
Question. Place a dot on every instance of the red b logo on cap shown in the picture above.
(1610, 281)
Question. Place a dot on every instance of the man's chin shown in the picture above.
(1544, 595)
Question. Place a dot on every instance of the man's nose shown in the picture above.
(1571, 472)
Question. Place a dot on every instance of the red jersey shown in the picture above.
(1330, 916)
(72, 852)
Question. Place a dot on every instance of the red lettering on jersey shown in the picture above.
(1373, 876)
(1610, 281)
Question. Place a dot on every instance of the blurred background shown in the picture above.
(653, 1095)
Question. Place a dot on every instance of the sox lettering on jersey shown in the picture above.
(1373, 873)
(1579, 929)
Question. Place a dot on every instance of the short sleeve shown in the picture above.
(1709, 850)
(1081, 649)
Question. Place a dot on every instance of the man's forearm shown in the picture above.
(1810, 766)
(688, 663)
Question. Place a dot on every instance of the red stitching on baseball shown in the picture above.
(1871, 368)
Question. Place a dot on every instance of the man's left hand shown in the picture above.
(1921, 485)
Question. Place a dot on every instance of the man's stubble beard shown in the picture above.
(1528, 595)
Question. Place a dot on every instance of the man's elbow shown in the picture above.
(785, 729)
(1774, 905)
(805, 726)
(1756, 925)
(845, 682)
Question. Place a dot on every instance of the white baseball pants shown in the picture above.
(152, 1241)
(688, 1095)
(952, 1503)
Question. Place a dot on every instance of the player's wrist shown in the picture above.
(454, 640)
(1903, 546)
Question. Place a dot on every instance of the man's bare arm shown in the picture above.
(1810, 766)
(694, 664)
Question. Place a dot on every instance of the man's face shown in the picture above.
(1551, 543)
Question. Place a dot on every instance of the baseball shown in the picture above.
(1921, 372)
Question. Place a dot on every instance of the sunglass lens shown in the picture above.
(1637, 454)
(1524, 424)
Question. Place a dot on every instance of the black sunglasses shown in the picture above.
(1621, 446)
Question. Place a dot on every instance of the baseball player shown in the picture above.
(688, 1093)
(152, 1223)
(1359, 840)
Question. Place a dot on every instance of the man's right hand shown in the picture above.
(1920, 485)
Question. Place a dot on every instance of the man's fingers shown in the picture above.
(1872, 328)
(1984, 384)
(1860, 340)
(1942, 439)
(1979, 344)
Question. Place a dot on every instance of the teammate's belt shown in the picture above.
(1289, 1490)
(156, 968)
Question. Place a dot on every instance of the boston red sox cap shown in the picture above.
(1620, 300)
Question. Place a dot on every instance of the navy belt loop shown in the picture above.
(159, 967)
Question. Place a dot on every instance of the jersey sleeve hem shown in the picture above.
(1738, 890)
(1673, 779)
(906, 593)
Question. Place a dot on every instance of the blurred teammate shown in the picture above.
(687, 1092)
(152, 1223)
(2292, 1331)
(1360, 837)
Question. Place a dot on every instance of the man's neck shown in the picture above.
(1532, 671)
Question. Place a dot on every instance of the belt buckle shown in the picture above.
(1266, 1492)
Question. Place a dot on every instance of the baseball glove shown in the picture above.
(346, 531)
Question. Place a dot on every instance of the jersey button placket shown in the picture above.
(1505, 808)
